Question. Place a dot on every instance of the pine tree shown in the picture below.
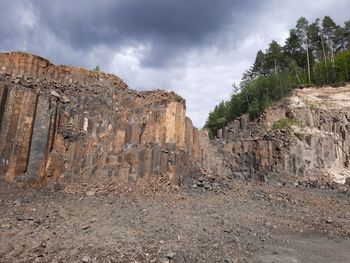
(279, 70)
(274, 57)
(315, 43)
(259, 67)
(329, 28)
(301, 31)
(293, 48)
(346, 31)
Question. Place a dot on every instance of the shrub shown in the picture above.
(285, 123)
(300, 136)
(312, 107)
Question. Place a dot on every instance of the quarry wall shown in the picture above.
(316, 143)
(63, 121)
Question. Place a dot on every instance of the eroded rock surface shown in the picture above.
(315, 142)
(59, 123)
(64, 122)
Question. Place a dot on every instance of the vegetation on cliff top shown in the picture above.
(315, 53)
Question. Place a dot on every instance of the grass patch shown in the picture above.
(300, 136)
(312, 107)
(285, 123)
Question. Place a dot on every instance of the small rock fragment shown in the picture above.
(86, 259)
(54, 93)
(91, 193)
(170, 255)
(65, 99)
(20, 218)
(329, 221)
(85, 227)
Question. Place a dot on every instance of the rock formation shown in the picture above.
(59, 121)
(314, 142)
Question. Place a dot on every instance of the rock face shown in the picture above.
(60, 121)
(314, 143)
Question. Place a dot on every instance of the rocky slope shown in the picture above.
(59, 122)
(307, 135)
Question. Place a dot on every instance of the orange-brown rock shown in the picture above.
(18, 64)
(64, 123)
(59, 122)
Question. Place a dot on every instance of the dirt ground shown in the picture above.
(243, 222)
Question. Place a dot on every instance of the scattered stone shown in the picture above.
(85, 227)
(170, 255)
(207, 186)
(347, 181)
(86, 259)
(329, 221)
(91, 193)
(93, 220)
(17, 203)
(20, 218)
(65, 99)
(5, 226)
(54, 93)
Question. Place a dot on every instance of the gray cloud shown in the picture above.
(169, 27)
(195, 47)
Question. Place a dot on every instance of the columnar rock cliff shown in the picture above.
(314, 142)
(59, 121)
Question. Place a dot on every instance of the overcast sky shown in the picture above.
(196, 48)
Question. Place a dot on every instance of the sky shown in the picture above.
(197, 48)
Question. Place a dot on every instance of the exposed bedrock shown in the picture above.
(63, 123)
(314, 142)
(59, 121)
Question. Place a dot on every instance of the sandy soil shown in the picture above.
(244, 222)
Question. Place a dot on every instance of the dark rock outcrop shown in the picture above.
(315, 144)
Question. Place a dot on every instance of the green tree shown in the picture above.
(217, 118)
(254, 109)
(259, 67)
(314, 36)
(329, 28)
(280, 69)
(301, 32)
(274, 57)
(342, 66)
(346, 30)
(293, 49)
(340, 40)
